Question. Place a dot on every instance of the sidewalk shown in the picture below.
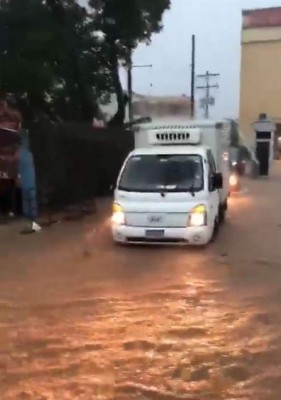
(61, 234)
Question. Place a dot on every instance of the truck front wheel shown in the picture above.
(222, 212)
(216, 229)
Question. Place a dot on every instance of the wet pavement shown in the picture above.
(83, 319)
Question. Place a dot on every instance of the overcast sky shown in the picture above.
(217, 26)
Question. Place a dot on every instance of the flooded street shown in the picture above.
(83, 319)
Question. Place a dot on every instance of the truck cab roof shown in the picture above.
(166, 150)
(180, 123)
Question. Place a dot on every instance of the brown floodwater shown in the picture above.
(83, 319)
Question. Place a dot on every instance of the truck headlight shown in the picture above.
(198, 216)
(118, 215)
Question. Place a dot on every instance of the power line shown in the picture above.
(208, 100)
(143, 66)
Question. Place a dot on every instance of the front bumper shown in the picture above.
(186, 236)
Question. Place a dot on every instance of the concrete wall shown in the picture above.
(260, 75)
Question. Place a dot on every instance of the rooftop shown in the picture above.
(171, 149)
(260, 10)
(262, 17)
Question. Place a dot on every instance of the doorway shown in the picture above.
(277, 142)
(262, 154)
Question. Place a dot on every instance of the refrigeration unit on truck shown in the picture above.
(173, 188)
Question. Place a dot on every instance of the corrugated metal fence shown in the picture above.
(75, 162)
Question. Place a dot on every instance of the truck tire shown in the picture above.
(222, 212)
(216, 230)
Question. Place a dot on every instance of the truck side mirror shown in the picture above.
(218, 181)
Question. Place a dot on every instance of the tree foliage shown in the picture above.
(61, 59)
(83, 80)
(124, 25)
(49, 59)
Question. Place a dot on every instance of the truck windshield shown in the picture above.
(169, 173)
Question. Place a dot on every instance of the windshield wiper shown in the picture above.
(177, 189)
(163, 190)
(191, 190)
(140, 189)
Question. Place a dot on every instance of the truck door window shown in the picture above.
(212, 169)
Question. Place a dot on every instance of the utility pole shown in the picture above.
(130, 91)
(130, 86)
(193, 77)
(207, 101)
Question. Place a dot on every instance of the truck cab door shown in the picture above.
(213, 192)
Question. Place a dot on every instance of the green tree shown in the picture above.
(124, 24)
(57, 8)
(26, 45)
(50, 59)
(84, 80)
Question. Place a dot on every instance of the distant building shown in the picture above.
(152, 106)
(161, 106)
(260, 67)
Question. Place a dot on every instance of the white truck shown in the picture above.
(173, 188)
